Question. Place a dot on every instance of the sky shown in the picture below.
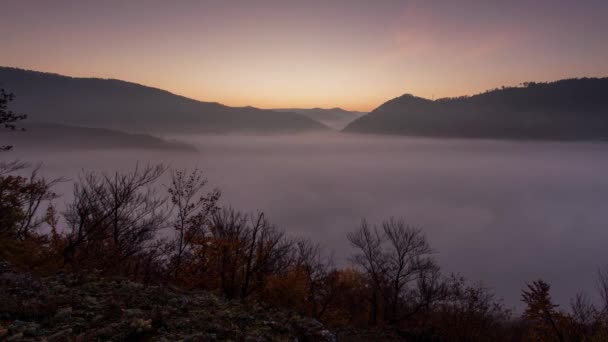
(274, 54)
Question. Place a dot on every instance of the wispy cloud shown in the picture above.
(448, 32)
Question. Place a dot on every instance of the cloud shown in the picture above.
(453, 32)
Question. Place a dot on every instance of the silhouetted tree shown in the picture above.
(194, 209)
(407, 261)
(470, 313)
(602, 286)
(267, 251)
(403, 278)
(585, 317)
(21, 199)
(7, 117)
(541, 313)
(114, 217)
(372, 259)
(319, 276)
(239, 254)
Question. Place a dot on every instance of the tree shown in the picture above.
(470, 312)
(403, 277)
(21, 199)
(7, 117)
(193, 210)
(237, 253)
(22, 214)
(319, 276)
(266, 252)
(602, 286)
(408, 260)
(541, 313)
(371, 258)
(113, 217)
(585, 318)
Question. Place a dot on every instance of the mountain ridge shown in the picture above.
(118, 104)
(61, 136)
(570, 109)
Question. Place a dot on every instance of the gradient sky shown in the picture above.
(352, 54)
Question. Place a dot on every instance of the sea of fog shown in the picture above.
(504, 213)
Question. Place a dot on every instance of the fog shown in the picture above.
(503, 213)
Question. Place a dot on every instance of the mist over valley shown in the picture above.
(495, 211)
(304, 171)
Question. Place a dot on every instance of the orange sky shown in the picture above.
(352, 54)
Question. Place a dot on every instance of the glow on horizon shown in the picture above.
(275, 54)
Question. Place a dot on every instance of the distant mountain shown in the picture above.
(111, 103)
(43, 136)
(336, 118)
(573, 109)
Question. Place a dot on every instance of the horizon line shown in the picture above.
(519, 85)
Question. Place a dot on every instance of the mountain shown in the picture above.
(572, 109)
(56, 136)
(336, 118)
(112, 103)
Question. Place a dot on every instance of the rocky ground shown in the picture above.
(64, 308)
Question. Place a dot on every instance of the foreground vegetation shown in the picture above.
(129, 259)
(93, 308)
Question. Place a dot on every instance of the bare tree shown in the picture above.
(247, 250)
(8, 167)
(397, 260)
(256, 229)
(602, 286)
(319, 272)
(408, 260)
(116, 213)
(421, 297)
(268, 252)
(21, 199)
(469, 312)
(372, 259)
(228, 236)
(584, 314)
(36, 192)
(193, 210)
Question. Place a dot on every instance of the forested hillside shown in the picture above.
(118, 104)
(573, 109)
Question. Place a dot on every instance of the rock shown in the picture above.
(63, 314)
(32, 329)
(132, 312)
(326, 335)
(15, 337)
(255, 339)
(141, 325)
(60, 335)
(5, 267)
(90, 301)
(313, 330)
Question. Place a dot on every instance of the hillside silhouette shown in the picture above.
(113, 103)
(57, 136)
(572, 109)
(336, 118)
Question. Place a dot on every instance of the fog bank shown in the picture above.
(500, 212)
